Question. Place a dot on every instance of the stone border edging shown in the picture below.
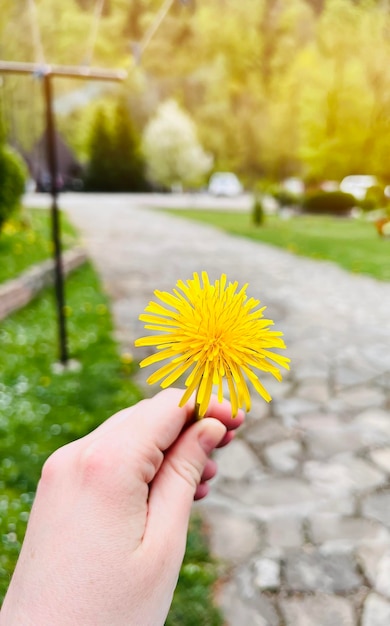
(19, 291)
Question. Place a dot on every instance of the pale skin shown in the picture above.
(107, 532)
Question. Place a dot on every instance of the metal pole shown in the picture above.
(56, 228)
(47, 73)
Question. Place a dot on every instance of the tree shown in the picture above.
(128, 166)
(172, 150)
(115, 162)
(99, 174)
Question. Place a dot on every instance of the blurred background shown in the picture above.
(266, 89)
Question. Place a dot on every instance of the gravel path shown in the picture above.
(300, 511)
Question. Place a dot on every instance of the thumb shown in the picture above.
(173, 489)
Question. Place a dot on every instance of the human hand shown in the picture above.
(107, 531)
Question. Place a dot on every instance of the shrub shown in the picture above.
(375, 198)
(258, 215)
(12, 182)
(328, 202)
(286, 198)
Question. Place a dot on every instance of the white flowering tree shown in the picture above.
(172, 151)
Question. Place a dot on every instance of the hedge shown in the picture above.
(12, 182)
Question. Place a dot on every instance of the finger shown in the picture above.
(223, 412)
(209, 471)
(202, 491)
(227, 438)
(135, 438)
(158, 418)
(173, 490)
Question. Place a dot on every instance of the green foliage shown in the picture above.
(305, 92)
(41, 410)
(12, 182)
(258, 215)
(328, 202)
(352, 244)
(27, 239)
(115, 162)
(375, 199)
(100, 165)
(128, 174)
(286, 198)
(193, 602)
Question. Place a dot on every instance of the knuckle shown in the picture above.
(189, 471)
(93, 464)
(53, 467)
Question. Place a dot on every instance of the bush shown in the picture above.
(286, 198)
(258, 215)
(375, 198)
(328, 202)
(12, 182)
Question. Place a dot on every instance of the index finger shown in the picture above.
(160, 419)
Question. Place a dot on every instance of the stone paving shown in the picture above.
(299, 514)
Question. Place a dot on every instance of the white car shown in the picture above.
(225, 184)
(357, 185)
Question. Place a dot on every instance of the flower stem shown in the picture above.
(197, 417)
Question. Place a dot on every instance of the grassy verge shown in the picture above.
(352, 244)
(193, 600)
(26, 239)
(41, 410)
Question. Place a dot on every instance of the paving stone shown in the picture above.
(318, 610)
(362, 397)
(277, 389)
(325, 443)
(236, 460)
(284, 455)
(376, 611)
(259, 410)
(307, 368)
(344, 476)
(231, 537)
(353, 371)
(373, 426)
(274, 497)
(255, 610)
(314, 389)
(377, 354)
(284, 532)
(266, 432)
(377, 506)
(369, 557)
(334, 531)
(381, 457)
(321, 421)
(382, 577)
(315, 572)
(267, 574)
(291, 407)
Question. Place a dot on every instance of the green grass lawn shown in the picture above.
(352, 244)
(26, 239)
(41, 410)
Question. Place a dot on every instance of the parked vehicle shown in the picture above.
(225, 184)
(357, 185)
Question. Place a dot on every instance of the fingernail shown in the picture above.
(211, 434)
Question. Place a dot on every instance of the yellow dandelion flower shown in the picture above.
(216, 332)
